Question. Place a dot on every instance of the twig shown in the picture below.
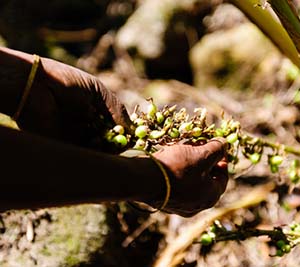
(137, 232)
(244, 233)
(173, 254)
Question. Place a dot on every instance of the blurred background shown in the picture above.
(193, 53)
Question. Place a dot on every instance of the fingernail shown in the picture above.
(222, 164)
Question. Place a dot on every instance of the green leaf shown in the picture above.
(264, 20)
(288, 16)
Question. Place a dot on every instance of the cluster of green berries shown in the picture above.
(292, 238)
(253, 148)
(282, 239)
(166, 126)
(169, 126)
(282, 247)
(210, 236)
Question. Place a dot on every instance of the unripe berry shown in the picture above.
(255, 158)
(140, 144)
(168, 122)
(155, 134)
(294, 171)
(139, 121)
(274, 168)
(152, 109)
(213, 228)
(120, 140)
(219, 132)
(293, 175)
(275, 160)
(232, 138)
(197, 131)
(206, 239)
(174, 133)
(141, 131)
(280, 243)
(109, 135)
(159, 117)
(286, 248)
(119, 129)
(185, 127)
(279, 253)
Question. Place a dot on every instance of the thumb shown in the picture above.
(212, 152)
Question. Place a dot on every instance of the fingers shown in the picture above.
(115, 107)
(219, 173)
(223, 163)
(213, 152)
(207, 162)
(216, 161)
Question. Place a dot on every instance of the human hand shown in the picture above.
(198, 176)
(64, 102)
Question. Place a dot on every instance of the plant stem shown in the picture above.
(292, 150)
(287, 149)
(242, 234)
(288, 16)
(262, 18)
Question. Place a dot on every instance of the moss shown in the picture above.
(45, 252)
(71, 260)
(63, 236)
(73, 245)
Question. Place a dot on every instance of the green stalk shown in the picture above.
(286, 149)
(288, 16)
(270, 26)
(291, 150)
(242, 234)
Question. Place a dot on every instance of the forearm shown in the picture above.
(14, 70)
(38, 172)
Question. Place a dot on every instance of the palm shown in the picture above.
(200, 175)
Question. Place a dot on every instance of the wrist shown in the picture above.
(148, 181)
(14, 70)
(159, 189)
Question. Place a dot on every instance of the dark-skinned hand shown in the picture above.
(198, 175)
(73, 106)
(64, 102)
